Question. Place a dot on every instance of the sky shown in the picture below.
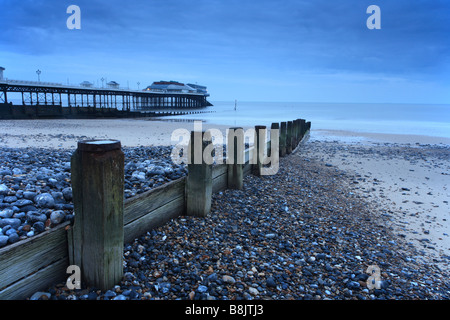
(284, 50)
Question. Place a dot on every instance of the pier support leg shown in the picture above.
(96, 239)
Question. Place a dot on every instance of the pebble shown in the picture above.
(42, 191)
(228, 279)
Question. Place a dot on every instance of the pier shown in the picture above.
(54, 100)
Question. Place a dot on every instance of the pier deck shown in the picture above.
(40, 99)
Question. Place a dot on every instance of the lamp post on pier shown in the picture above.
(38, 72)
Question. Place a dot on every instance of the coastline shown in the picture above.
(403, 177)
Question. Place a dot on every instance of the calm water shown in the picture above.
(431, 120)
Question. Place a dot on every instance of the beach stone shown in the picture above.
(270, 282)
(13, 237)
(40, 296)
(5, 172)
(29, 195)
(44, 200)
(109, 294)
(253, 291)
(7, 213)
(202, 288)
(58, 197)
(57, 216)
(39, 226)
(3, 240)
(10, 199)
(22, 202)
(4, 190)
(67, 193)
(228, 279)
(13, 222)
(35, 216)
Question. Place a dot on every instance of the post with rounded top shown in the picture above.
(235, 158)
(199, 178)
(258, 149)
(96, 238)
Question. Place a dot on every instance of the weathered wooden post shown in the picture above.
(235, 158)
(296, 128)
(282, 139)
(307, 126)
(303, 127)
(199, 178)
(289, 137)
(273, 126)
(258, 149)
(96, 239)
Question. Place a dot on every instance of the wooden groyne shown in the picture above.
(95, 244)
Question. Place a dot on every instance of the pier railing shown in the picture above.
(41, 261)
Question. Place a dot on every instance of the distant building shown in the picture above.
(86, 84)
(170, 87)
(199, 88)
(1, 73)
(113, 84)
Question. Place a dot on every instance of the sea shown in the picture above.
(411, 119)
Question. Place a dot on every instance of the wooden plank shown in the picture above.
(220, 183)
(218, 170)
(38, 281)
(154, 219)
(22, 258)
(140, 205)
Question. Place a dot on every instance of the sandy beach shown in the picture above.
(65, 134)
(406, 177)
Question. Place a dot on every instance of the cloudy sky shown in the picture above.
(252, 50)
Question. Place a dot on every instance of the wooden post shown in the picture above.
(283, 139)
(289, 137)
(273, 126)
(303, 127)
(258, 149)
(199, 178)
(97, 168)
(235, 158)
(295, 125)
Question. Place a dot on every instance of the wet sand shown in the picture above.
(407, 176)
